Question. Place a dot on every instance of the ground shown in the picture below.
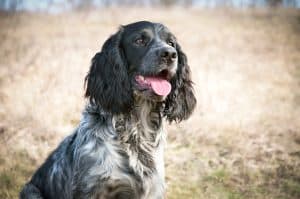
(243, 140)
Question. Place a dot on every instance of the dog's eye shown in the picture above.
(140, 41)
(171, 43)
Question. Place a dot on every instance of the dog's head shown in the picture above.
(142, 60)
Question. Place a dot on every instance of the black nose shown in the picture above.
(168, 54)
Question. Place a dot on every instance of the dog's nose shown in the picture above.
(168, 54)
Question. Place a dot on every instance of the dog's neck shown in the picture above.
(145, 119)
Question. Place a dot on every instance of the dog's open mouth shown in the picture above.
(159, 84)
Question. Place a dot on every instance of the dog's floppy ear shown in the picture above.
(107, 82)
(181, 102)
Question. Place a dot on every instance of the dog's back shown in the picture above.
(52, 179)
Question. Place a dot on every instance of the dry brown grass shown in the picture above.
(243, 140)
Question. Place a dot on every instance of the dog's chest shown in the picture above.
(142, 139)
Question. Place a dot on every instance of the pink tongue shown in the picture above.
(160, 86)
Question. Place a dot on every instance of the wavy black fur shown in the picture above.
(181, 101)
(107, 83)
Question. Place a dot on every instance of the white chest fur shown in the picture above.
(143, 139)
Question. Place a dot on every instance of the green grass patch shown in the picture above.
(220, 175)
(291, 187)
(219, 185)
(185, 189)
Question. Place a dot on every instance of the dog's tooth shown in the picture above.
(141, 78)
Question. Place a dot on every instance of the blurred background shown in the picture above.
(243, 140)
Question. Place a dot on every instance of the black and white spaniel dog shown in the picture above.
(140, 77)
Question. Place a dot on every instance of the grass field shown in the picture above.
(243, 141)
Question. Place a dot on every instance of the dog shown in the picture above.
(140, 77)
